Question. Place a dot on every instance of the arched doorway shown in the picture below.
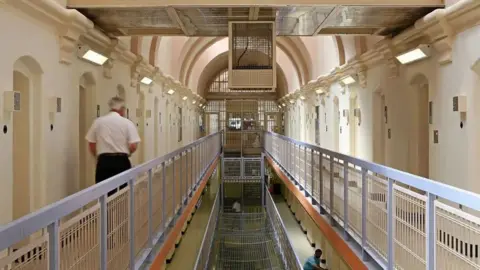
(336, 125)
(379, 123)
(420, 129)
(156, 124)
(27, 139)
(86, 116)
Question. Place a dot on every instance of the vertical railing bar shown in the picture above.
(174, 194)
(390, 226)
(164, 180)
(312, 173)
(320, 176)
(132, 223)
(53, 243)
(262, 181)
(222, 172)
(103, 232)
(180, 182)
(332, 194)
(364, 213)
(430, 229)
(345, 199)
(150, 209)
(305, 170)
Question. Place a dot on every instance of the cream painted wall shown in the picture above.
(324, 54)
(59, 147)
(454, 160)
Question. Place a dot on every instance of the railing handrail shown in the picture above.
(451, 193)
(199, 255)
(25, 226)
(269, 196)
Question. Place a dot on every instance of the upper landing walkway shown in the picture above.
(397, 219)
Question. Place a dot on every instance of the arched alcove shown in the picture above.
(420, 153)
(28, 162)
(379, 126)
(86, 116)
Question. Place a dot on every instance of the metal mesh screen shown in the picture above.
(252, 41)
(220, 85)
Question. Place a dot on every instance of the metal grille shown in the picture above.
(220, 85)
(246, 241)
(252, 40)
(232, 168)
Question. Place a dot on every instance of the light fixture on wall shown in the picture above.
(185, 98)
(319, 91)
(193, 102)
(146, 81)
(279, 106)
(302, 97)
(200, 105)
(349, 79)
(292, 101)
(283, 104)
(86, 53)
(170, 92)
(421, 52)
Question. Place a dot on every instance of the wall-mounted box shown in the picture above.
(345, 113)
(356, 112)
(11, 101)
(148, 114)
(139, 113)
(460, 103)
(55, 105)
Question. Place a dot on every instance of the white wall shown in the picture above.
(59, 147)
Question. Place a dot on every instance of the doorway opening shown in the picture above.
(29, 189)
(336, 125)
(421, 132)
(379, 127)
(86, 117)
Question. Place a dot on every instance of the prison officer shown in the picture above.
(112, 139)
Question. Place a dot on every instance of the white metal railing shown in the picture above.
(203, 256)
(283, 243)
(401, 220)
(91, 230)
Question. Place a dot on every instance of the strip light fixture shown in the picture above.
(348, 80)
(319, 91)
(94, 57)
(170, 92)
(292, 101)
(185, 98)
(193, 102)
(302, 97)
(146, 81)
(419, 53)
(283, 104)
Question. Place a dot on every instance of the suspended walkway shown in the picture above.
(363, 215)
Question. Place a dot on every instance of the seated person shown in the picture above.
(314, 262)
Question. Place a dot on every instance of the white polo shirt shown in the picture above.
(112, 133)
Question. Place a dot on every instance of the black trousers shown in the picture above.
(109, 165)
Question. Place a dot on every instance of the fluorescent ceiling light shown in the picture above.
(302, 97)
(279, 106)
(348, 80)
(146, 80)
(200, 104)
(95, 57)
(319, 91)
(292, 101)
(419, 53)
(283, 104)
(171, 91)
(193, 102)
(185, 98)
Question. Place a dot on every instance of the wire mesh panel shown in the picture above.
(252, 40)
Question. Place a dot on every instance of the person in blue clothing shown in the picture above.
(313, 262)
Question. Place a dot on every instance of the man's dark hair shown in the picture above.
(318, 250)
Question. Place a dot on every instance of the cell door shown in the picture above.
(212, 123)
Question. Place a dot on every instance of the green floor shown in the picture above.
(300, 244)
(186, 254)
